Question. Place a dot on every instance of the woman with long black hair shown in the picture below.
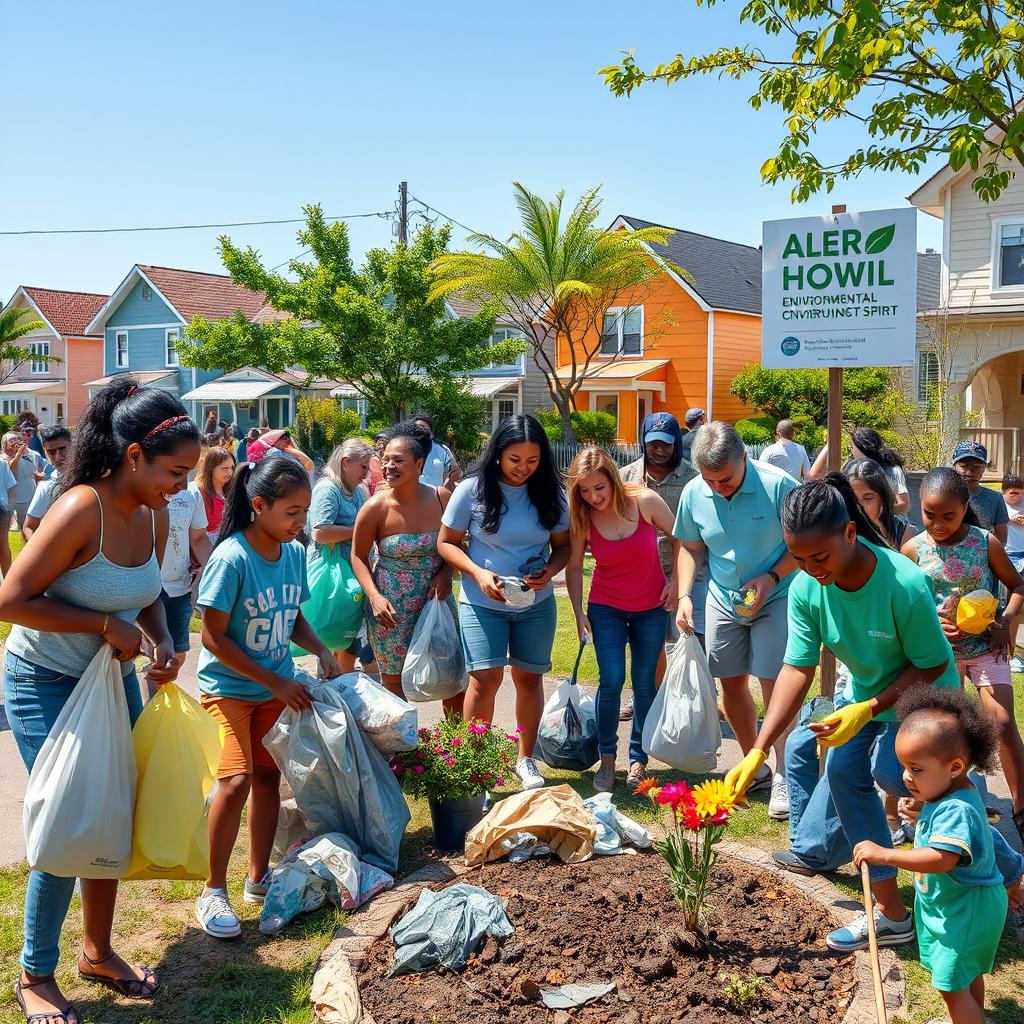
(91, 574)
(511, 513)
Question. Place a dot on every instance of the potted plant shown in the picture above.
(453, 766)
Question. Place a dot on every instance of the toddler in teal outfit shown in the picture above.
(960, 902)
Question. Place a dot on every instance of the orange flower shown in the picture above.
(645, 786)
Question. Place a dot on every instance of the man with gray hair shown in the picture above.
(733, 511)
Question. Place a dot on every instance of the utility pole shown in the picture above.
(403, 212)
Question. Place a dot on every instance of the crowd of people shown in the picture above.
(767, 561)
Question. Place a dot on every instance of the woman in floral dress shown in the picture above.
(401, 522)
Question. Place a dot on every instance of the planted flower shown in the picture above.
(698, 818)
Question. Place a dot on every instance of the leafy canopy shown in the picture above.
(15, 323)
(377, 327)
(924, 77)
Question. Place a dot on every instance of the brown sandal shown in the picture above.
(50, 1017)
(129, 987)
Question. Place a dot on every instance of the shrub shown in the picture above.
(598, 428)
(7, 423)
(759, 430)
(458, 417)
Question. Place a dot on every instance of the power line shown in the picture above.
(434, 209)
(185, 227)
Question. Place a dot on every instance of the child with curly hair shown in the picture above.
(960, 901)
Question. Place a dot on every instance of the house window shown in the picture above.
(623, 331)
(607, 403)
(502, 409)
(171, 346)
(121, 350)
(1011, 255)
(40, 356)
(927, 375)
(13, 406)
(504, 334)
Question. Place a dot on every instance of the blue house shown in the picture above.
(143, 321)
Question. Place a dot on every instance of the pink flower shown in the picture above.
(674, 793)
(954, 569)
(972, 540)
(499, 781)
(511, 738)
(451, 762)
(418, 769)
(478, 728)
(457, 741)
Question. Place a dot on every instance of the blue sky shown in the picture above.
(152, 114)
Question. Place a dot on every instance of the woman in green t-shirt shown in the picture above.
(874, 610)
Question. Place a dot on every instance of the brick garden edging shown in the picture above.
(353, 940)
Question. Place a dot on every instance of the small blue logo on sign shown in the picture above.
(790, 346)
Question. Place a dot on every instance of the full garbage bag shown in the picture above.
(389, 722)
(435, 667)
(325, 868)
(81, 793)
(177, 750)
(682, 727)
(341, 782)
(335, 605)
(445, 927)
(568, 726)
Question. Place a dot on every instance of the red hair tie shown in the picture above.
(160, 427)
(132, 390)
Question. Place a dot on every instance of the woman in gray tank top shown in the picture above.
(90, 575)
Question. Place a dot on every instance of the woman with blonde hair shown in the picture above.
(337, 498)
(213, 474)
(629, 595)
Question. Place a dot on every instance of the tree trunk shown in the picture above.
(564, 408)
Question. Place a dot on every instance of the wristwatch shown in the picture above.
(774, 575)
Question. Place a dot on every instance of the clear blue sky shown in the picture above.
(122, 115)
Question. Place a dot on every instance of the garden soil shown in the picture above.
(762, 957)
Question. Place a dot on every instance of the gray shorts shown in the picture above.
(739, 646)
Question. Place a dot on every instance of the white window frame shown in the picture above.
(40, 366)
(595, 398)
(996, 287)
(510, 333)
(168, 362)
(118, 365)
(619, 354)
(504, 396)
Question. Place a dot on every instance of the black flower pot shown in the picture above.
(452, 819)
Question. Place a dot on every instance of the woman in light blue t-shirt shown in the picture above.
(506, 529)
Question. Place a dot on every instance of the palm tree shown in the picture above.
(555, 281)
(15, 323)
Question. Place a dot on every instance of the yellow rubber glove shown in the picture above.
(740, 777)
(849, 721)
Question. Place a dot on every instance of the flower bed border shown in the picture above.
(352, 941)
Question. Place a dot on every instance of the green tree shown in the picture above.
(925, 78)
(555, 279)
(15, 323)
(377, 327)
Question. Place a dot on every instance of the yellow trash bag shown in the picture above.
(976, 611)
(177, 750)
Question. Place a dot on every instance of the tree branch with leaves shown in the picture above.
(15, 323)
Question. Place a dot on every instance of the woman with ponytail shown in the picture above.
(91, 574)
(250, 594)
(873, 608)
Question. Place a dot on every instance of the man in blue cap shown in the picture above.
(970, 460)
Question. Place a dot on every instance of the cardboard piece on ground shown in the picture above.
(555, 815)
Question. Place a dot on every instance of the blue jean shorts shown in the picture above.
(179, 616)
(494, 637)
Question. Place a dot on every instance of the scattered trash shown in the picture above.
(565, 997)
(335, 993)
(524, 846)
(568, 726)
(435, 667)
(555, 815)
(341, 782)
(326, 868)
(445, 927)
(615, 827)
(389, 722)
(682, 727)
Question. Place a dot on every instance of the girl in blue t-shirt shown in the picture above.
(250, 594)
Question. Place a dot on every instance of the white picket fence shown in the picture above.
(621, 453)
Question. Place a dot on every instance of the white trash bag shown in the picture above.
(80, 801)
(435, 668)
(682, 727)
(388, 722)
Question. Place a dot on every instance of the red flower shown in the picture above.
(674, 793)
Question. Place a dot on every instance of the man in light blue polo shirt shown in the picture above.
(733, 512)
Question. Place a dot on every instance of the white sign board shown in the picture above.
(839, 290)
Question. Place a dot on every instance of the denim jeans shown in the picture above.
(33, 698)
(645, 634)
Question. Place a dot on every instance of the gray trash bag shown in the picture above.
(388, 722)
(341, 782)
(445, 927)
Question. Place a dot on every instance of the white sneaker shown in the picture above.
(529, 774)
(778, 802)
(1016, 664)
(216, 916)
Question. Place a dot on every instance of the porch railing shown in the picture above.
(1003, 446)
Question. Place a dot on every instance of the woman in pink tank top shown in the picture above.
(629, 596)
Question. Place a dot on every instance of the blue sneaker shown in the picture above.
(855, 935)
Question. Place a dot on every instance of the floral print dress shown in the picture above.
(406, 563)
(956, 570)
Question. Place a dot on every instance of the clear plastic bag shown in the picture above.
(568, 726)
(435, 667)
(388, 722)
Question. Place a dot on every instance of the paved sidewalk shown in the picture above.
(12, 771)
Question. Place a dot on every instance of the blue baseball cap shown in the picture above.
(970, 450)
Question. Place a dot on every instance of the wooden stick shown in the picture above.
(876, 968)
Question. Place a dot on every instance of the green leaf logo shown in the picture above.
(880, 240)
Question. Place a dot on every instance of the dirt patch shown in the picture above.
(613, 919)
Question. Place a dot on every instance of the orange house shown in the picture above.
(682, 342)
